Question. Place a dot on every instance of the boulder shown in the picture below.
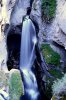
(16, 88)
(11, 86)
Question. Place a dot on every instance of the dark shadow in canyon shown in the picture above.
(13, 47)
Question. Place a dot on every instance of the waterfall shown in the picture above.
(27, 57)
(28, 39)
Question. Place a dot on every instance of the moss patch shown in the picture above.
(49, 82)
(56, 73)
(15, 86)
(50, 56)
(48, 9)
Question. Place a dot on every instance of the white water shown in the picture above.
(28, 41)
(27, 57)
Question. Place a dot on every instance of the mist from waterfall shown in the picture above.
(27, 57)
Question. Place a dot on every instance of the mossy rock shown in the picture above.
(16, 88)
(56, 73)
(48, 9)
(50, 55)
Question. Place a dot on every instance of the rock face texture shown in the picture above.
(60, 33)
(56, 31)
(19, 10)
(14, 12)
(16, 9)
(3, 51)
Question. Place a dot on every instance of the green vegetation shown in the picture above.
(50, 56)
(48, 9)
(15, 86)
(56, 73)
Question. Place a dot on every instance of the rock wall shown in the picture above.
(3, 20)
(16, 9)
(56, 31)
(60, 33)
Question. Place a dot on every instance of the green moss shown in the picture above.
(56, 73)
(53, 58)
(49, 88)
(50, 56)
(49, 82)
(15, 86)
(48, 9)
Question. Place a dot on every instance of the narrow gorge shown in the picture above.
(32, 50)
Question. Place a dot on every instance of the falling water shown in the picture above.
(27, 44)
(27, 57)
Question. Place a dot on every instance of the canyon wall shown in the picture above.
(12, 12)
(56, 30)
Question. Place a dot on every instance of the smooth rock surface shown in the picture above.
(56, 31)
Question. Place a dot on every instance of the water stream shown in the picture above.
(27, 57)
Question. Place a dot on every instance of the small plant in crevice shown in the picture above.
(48, 10)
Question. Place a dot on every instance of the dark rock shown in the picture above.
(13, 47)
